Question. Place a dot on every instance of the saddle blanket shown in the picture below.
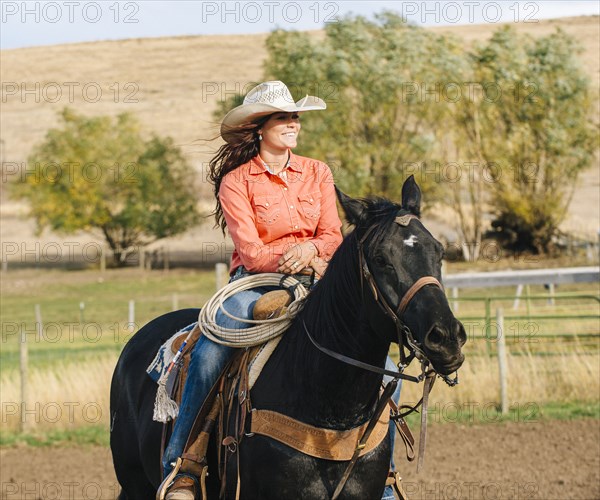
(165, 355)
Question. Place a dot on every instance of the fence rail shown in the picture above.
(561, 326)
(549, 327)
(526, 277)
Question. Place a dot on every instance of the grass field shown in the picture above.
(71, 364)
(67, 332)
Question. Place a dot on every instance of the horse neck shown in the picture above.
(341, 395)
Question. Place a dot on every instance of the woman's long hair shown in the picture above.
(243, 146)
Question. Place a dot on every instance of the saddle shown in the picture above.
(228, 412)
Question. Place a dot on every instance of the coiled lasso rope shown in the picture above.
(265, 329)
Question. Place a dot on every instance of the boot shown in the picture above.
(183, 488)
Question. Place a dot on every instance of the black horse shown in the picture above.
(343, 315)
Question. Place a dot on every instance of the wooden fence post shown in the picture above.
(502, 363)
(517, 296)
(528, 301)
(38, 322)
(23, 369)
(131, 321)
(551, 294)
(455, 297)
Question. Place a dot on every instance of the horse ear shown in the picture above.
(353, 209)
(411, 196)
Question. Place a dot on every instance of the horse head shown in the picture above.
(401, 272)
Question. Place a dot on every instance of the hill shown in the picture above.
(174, 83)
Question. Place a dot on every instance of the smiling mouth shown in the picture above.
(290, 134)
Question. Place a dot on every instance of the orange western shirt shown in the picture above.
(266, 214)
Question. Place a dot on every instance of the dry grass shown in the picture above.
(566, 376)
(60, 397)
(67, 397)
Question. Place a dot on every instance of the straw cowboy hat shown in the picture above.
(265, 99)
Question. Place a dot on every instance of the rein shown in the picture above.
(405, 339)
(359, 364)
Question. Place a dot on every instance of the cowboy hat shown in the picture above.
(265, 99)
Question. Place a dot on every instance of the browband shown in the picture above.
(403, 220)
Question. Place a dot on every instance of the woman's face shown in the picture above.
(280, 131)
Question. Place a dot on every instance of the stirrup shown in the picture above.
(395, 480)
(162, 489)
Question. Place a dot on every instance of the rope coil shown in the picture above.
(264, 330)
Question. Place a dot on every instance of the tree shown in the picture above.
(96, 174)
(536, 127)
(377, 129)
(512, 115)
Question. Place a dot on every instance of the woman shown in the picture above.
(280, 211)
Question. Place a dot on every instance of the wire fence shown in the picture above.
(540, 325)
(55, 337)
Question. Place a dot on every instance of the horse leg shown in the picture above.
(135, 438)
(133, 480)
(129, 469)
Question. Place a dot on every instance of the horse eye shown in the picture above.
(379, 261)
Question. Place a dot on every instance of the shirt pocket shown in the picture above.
(311, 205)
(267, 209)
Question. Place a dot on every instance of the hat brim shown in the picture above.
(245, 113)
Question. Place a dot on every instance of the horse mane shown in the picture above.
(331, 308)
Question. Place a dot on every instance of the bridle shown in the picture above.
(404, 334)
(405, 340)
(405, 337)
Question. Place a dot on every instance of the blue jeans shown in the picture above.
(208, 359)
(388, 493)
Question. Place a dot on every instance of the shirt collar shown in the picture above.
(257, 166)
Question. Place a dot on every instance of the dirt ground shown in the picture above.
(515, 460)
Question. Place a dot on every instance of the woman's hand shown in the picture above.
(297, 258)
(319, 265)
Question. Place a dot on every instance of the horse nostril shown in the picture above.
(459, 331)
(435, 336)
